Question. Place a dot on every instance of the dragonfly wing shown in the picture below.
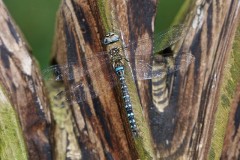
(168, 38)
(74, 69)
(81, 91)
(143, 67)
(57, 72)
(148, 67)
(160, 41)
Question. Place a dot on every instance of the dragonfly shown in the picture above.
(117, 56)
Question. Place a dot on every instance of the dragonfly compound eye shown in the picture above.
(106, 41)
(110, 38)
(114, 37)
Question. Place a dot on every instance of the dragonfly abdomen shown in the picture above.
(126, 97)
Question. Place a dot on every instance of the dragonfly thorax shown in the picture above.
(116, 57)
(115, 51)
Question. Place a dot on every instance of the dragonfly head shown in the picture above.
(110, 38)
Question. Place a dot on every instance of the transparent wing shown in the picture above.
(170, 37)
(74, 69)
(146, 67)
(81, 91)
(161, 40)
